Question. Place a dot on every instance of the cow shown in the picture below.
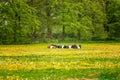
(52, 46)
(74, 46)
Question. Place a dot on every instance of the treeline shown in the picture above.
(34, 21)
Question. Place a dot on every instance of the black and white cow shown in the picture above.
(74, 46)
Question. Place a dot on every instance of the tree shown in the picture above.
(28, 21)
(113, 17)
(98, 17)
(46, 12)
(19, 19)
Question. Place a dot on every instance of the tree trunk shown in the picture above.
(78, 34)
(49, 32)
(49, 28)
(106, 28)
(17, 27)
(63, 32)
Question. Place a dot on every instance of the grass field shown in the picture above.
(95, 61)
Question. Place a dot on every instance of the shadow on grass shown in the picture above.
(58, 74)
(110, 74)
(50, 74)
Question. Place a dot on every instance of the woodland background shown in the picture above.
(37, 21)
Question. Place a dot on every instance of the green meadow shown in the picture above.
(95, 61)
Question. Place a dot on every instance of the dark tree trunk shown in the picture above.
(106, 28)
(78, 35)
(63, 32)
(17, 27)
(49, 32)
(34, 34)
(49, 28)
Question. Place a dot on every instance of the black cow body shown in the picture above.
(65, 46)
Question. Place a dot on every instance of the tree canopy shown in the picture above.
(31, 21)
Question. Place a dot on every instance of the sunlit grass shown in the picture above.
(90, 62)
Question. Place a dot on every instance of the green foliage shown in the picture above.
(31, 21)
(18, 21)
(113, 11)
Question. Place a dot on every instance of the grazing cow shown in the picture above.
(58, 46)
(70, 46)
(74, 46)
(65, 46)
(52, 46)
(79, 47)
